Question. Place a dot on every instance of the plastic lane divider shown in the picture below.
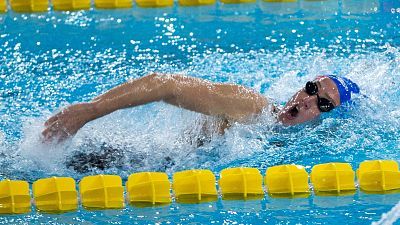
(58, 194)
(154, 3)
(237, 1)
(69, 5)
(196, 2)
(280, 1)
(379, 176)
(3, 6)
(55, 194)
(102, 191)
(287, 181)
(29, 5)
(193, 186)
(113, 4)
(14, 197)
(241, 183)
(148, 188)
(333, 178)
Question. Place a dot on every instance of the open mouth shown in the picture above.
(293, 112)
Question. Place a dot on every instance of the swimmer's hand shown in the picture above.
(67, 122)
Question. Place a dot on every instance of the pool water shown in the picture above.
(53, 59)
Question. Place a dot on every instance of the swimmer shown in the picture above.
(230, 102)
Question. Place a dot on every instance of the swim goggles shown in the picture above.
(324, 104)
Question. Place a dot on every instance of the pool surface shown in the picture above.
(53, 59)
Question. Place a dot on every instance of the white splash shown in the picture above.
(390, 217)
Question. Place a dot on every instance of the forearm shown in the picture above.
(136, 92)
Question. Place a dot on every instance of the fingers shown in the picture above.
(46, 133)
(49, 133)
(57, 136)
(52, 119)
(52, 129)
(55, 130)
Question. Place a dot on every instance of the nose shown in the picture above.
(309, 101)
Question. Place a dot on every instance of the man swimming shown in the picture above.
(229, 102)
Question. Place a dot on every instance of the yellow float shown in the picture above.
(191, 186)
(55, 194)
(237, 1)
(154, 3)
(29, 5)
(241, 182)
(69, 5)
(14, 197)
(196, 2)
(333, 178)
(3, 6)
(112, 4)
(287, 180)
(102, 191)
(148, 187)
(379, 175)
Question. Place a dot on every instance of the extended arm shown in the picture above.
(228, 101)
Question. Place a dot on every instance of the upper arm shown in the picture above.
(237, 102)
(230, 101)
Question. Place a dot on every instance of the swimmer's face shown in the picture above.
(303, 107)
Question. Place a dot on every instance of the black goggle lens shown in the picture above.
(323, 104)
(311, 88)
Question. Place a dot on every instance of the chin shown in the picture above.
(286, 120)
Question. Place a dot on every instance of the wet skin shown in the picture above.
(303, 107)
(229, 102)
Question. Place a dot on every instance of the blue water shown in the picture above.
(50, 60)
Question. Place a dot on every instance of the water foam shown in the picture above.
(155, 137)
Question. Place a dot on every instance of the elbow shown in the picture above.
(166, 85)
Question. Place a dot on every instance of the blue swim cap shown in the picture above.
(345, 87)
